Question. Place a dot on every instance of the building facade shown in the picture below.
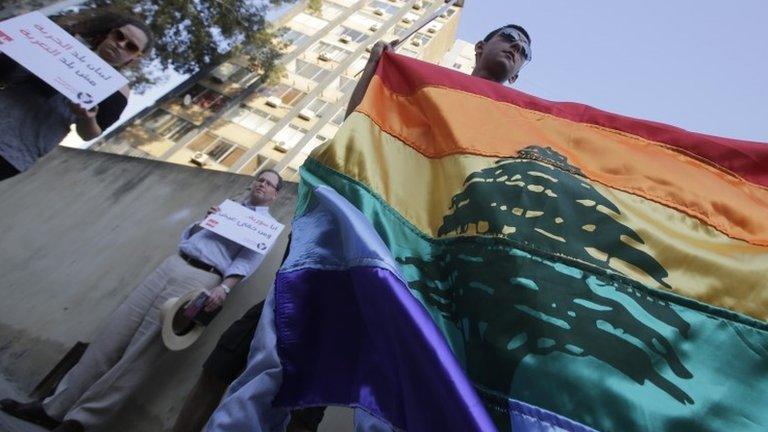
(225, 121)
(461, 57)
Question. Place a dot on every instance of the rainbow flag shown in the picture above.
(469, 257)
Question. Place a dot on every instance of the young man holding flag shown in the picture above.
(248, 406)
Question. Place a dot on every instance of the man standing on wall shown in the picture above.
(129, 345)
(248, 406)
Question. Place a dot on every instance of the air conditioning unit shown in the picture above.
(374, 28)
(378, 11)
(416, 42)
(200, 159)
(418, 5)
(407, 20)
(274, 102)
(345, 39)
(306, 114)
(281, 147)
(368, 49)
(432, 29)
(324, 57)
(444, 15)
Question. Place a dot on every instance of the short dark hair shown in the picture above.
(279, 177)
(514, 26)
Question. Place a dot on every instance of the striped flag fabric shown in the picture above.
(469, 257)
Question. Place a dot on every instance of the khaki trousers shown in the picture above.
(126, 348)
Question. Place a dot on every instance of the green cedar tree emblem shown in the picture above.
(509, 305)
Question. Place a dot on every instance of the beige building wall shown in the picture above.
(223, 123)
(461, 57)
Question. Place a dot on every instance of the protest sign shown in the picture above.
(59, 59)
(256, 231)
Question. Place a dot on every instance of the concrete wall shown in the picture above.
(78, 232)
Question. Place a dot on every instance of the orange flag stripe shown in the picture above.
(438, 122)
(691, 251)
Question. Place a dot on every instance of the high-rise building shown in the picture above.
(226, 121)
(461, 57)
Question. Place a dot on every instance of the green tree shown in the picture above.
(507, 304)
(194, 35)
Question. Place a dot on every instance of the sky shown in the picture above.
(700, 65)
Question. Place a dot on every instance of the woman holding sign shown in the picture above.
(35, 117)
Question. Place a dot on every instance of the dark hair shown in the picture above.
(279, 177)
(514, 26)
(94, 25)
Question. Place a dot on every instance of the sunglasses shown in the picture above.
(514, 36)
(266, 182)
(119, 36)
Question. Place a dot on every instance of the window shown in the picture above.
(258, 163)
(331, 52)
(217, 149)
(289, 136)
(294, 37)
(168, 125)
(206, 98)
(232, 157)
(410, 18)
(436, 26)
(201, 142)
(230, 72)
(408, 52)
(354, 35)
(346, 85)
(338, 119)
(290, 174)
(320, 107)
(158, 119)
(330, 12)
(360, 21)
(401, 31)
(257, 121)
(244, 77)
(275, 90)
(292, 96)
(421, 38)
(317, 105)
(310, 21)
(287, 94)
(311, 71)
(387, 7)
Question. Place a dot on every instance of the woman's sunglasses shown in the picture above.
(119, 36)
